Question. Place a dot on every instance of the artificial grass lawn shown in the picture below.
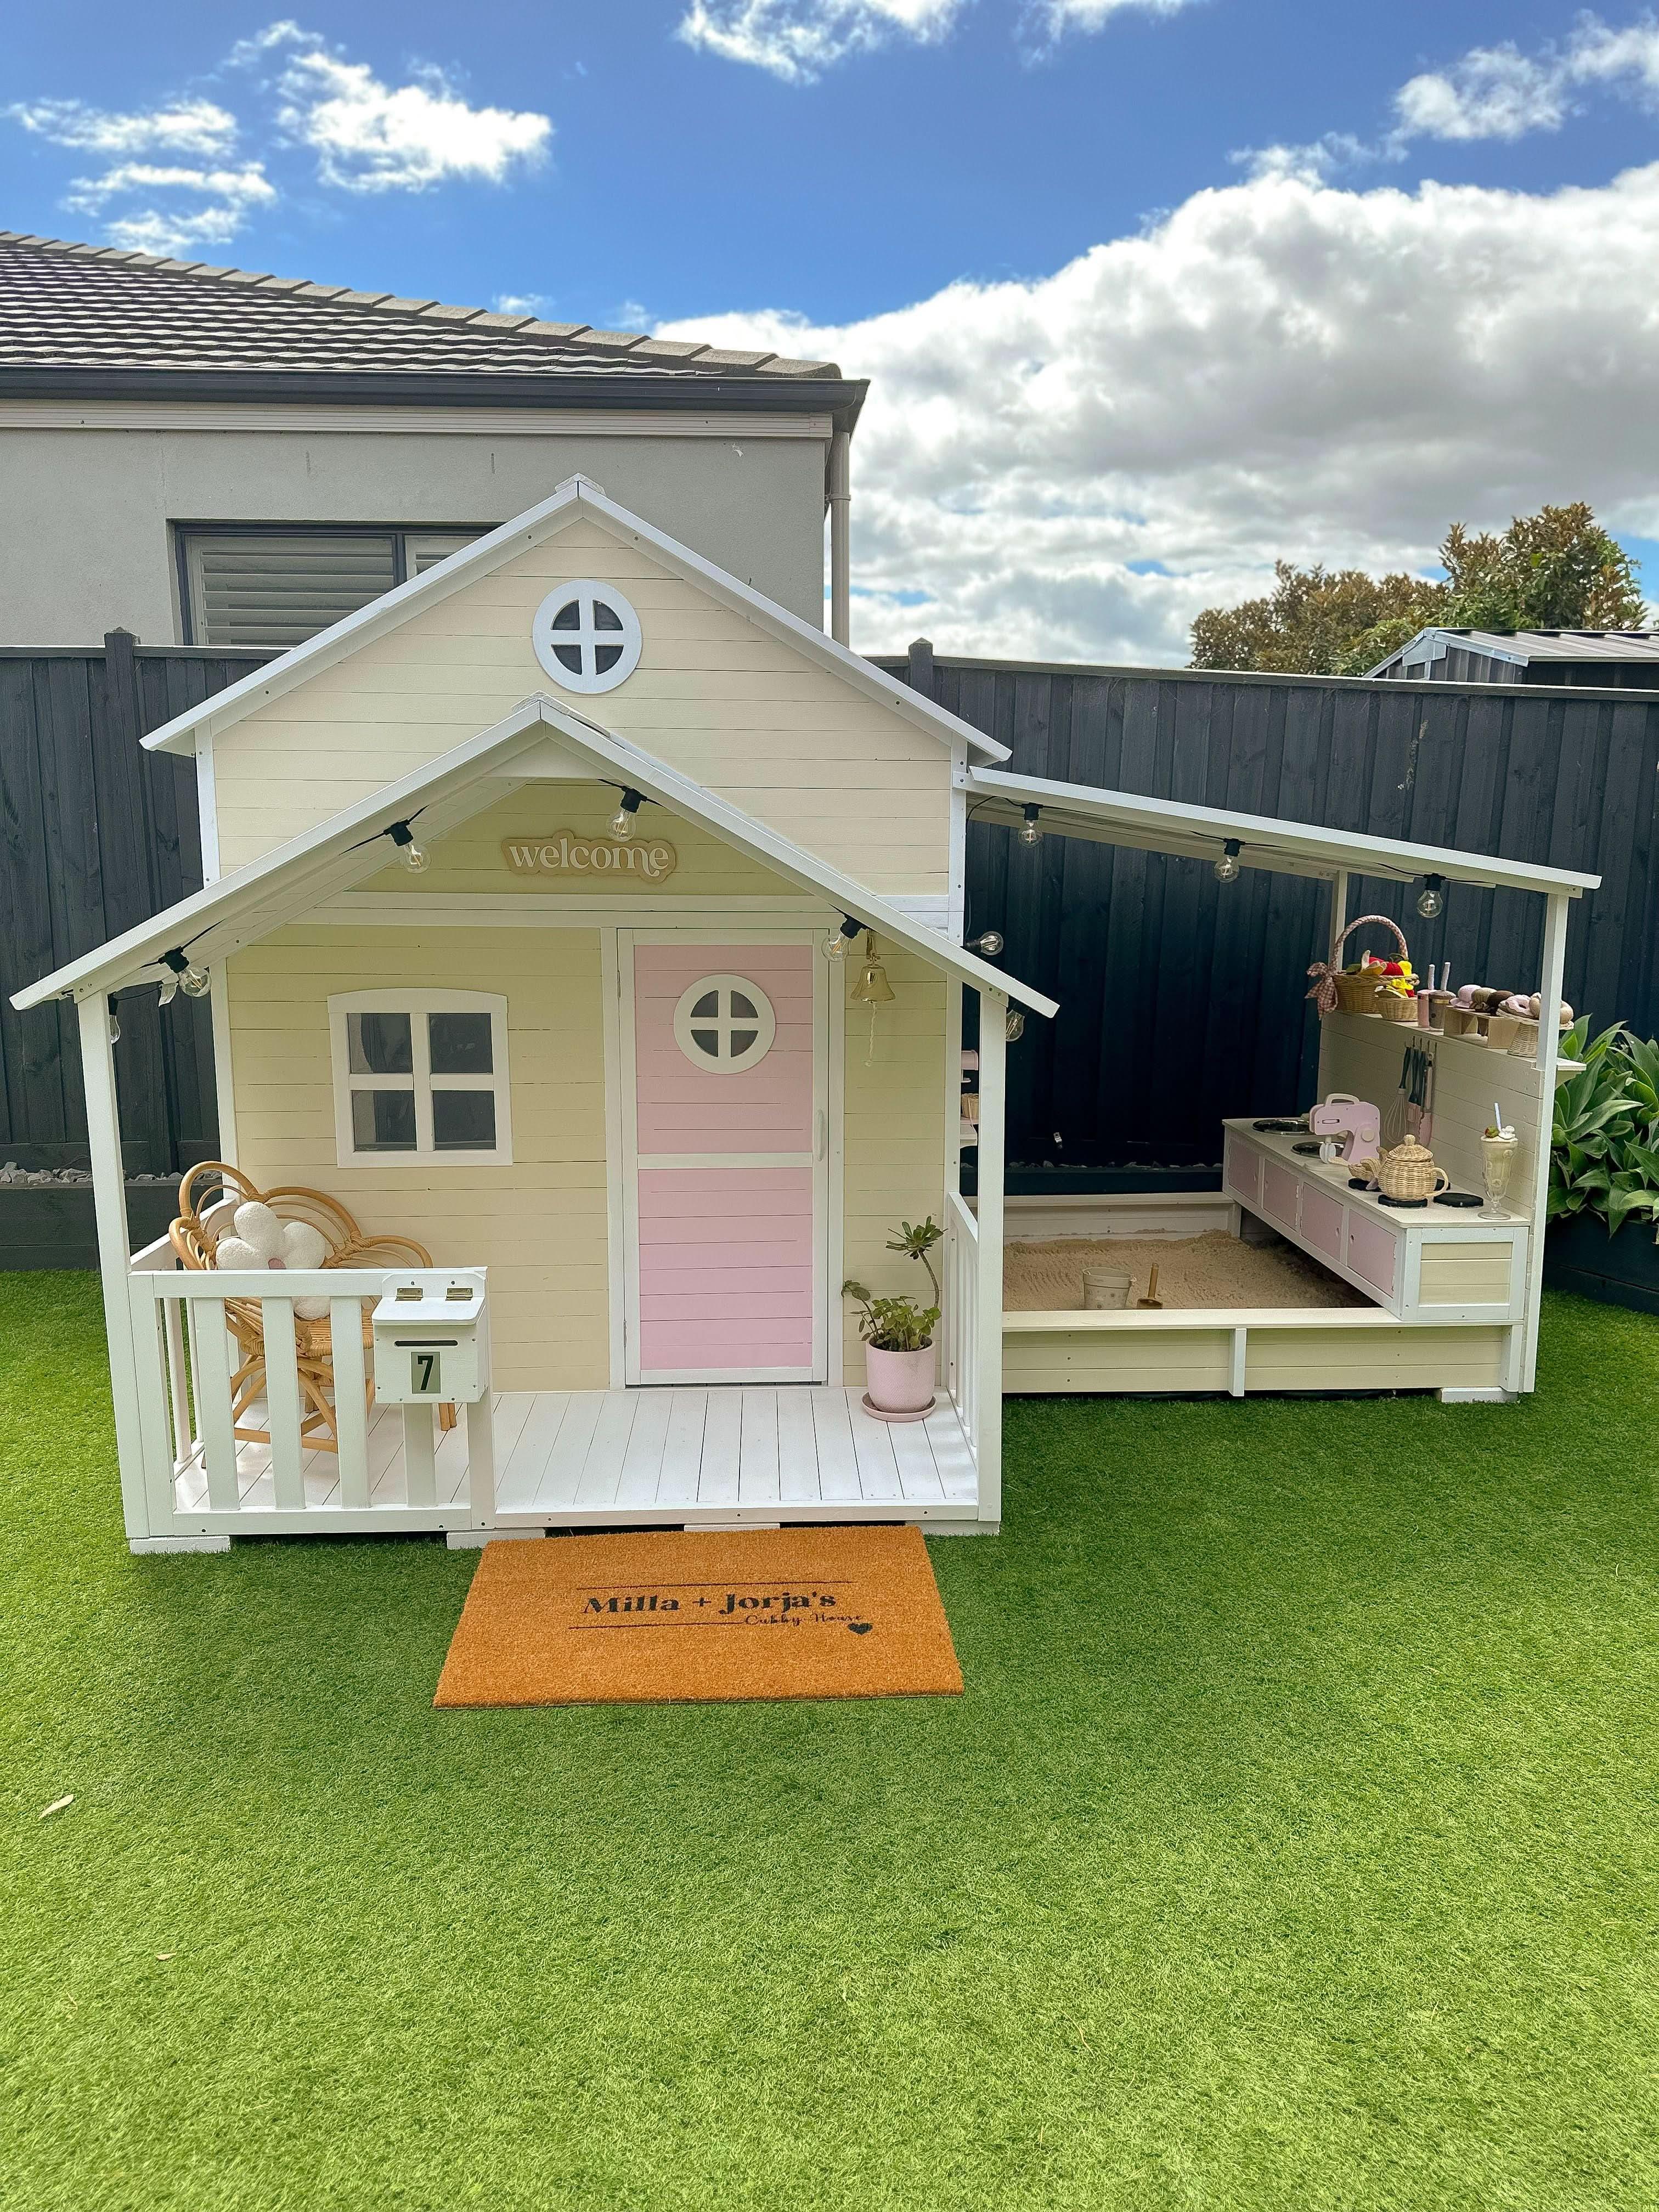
(1293, 1846)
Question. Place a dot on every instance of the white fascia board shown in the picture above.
(574, 499)
(284, 885)
(1285, 847)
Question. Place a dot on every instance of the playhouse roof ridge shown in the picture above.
(578, 496)
(328, 859)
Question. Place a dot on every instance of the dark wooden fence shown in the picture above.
(1181, 1000)
(98, 835)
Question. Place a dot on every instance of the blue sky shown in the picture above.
(1089, 184)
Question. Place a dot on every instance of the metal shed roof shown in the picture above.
(1522, 647)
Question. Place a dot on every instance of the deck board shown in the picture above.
(750, 1448)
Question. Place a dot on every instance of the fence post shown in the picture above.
(918, 675)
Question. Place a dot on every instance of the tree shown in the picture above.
(1557, 570)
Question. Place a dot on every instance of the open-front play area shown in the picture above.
(597, 1048)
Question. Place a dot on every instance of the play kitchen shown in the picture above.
(1409, 1180)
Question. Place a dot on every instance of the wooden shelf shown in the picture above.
(1409, 1033)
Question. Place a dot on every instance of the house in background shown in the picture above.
(210, 457)
(1625, 660)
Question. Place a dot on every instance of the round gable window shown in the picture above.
(586, 636)
(725, 1023)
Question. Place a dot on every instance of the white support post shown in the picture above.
(1339, 923)
(1549, 1056)
(987, 1355)
(109, 1194)
(420, 1455)
(480, 1418)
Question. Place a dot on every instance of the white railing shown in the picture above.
(959, 1320)
(206, 1458)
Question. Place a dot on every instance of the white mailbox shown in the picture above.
(431, 1339)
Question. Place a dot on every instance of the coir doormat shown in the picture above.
(702, 1615)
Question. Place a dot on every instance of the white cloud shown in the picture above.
(369, 136)
(1071, 467)
(1498, 92)
(796, 39)
(183, 126)
(363, 134)
(1062, 16)
(222, 196)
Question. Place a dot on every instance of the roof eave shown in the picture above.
(552, 389)
(1309, 848)
(315, 852)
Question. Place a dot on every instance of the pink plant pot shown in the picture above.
(900, 1382)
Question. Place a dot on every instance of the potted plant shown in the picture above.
(1604, 1169)
(899, 1352)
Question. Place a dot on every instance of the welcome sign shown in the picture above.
(648, 860)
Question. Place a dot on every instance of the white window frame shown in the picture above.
(764, 1024)
(417, 1005)
(586, 639)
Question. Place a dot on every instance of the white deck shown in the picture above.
(714, 1453)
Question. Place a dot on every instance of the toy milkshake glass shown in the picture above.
(1498, 1170)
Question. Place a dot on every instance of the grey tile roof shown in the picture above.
(78, 307)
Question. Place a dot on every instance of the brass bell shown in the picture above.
(872, 988)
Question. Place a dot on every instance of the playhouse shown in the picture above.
(593, 925)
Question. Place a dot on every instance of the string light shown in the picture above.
(1227, 870)
(415, 857)
(622, 822)
(990, 944)
(835, 944)
(1431, 899)
(182, 975)
(1029, 832)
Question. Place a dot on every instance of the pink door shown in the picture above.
(727, 1137)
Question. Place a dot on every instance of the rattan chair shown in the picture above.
(207, 1198)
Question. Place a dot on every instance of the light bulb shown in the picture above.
(1227, 870)
(195, 983)
(114, 1025)
(836, 943)
(1029, 832)
(622, 822)
(1013, 1026)
(413, 856)
(1431, 900)
(990, 944)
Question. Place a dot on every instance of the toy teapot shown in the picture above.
(1407, 1170)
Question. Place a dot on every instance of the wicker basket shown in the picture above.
(1392, 1007)
(1357, 994)
(1409, 1171)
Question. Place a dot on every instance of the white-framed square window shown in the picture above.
(420, 1078)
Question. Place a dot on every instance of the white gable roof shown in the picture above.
(295, 879)
(574, 499)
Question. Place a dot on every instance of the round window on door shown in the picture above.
(724, 1024)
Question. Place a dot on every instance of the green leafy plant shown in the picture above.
(892, 1324)
(1604, 1150)
(900, 1324)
